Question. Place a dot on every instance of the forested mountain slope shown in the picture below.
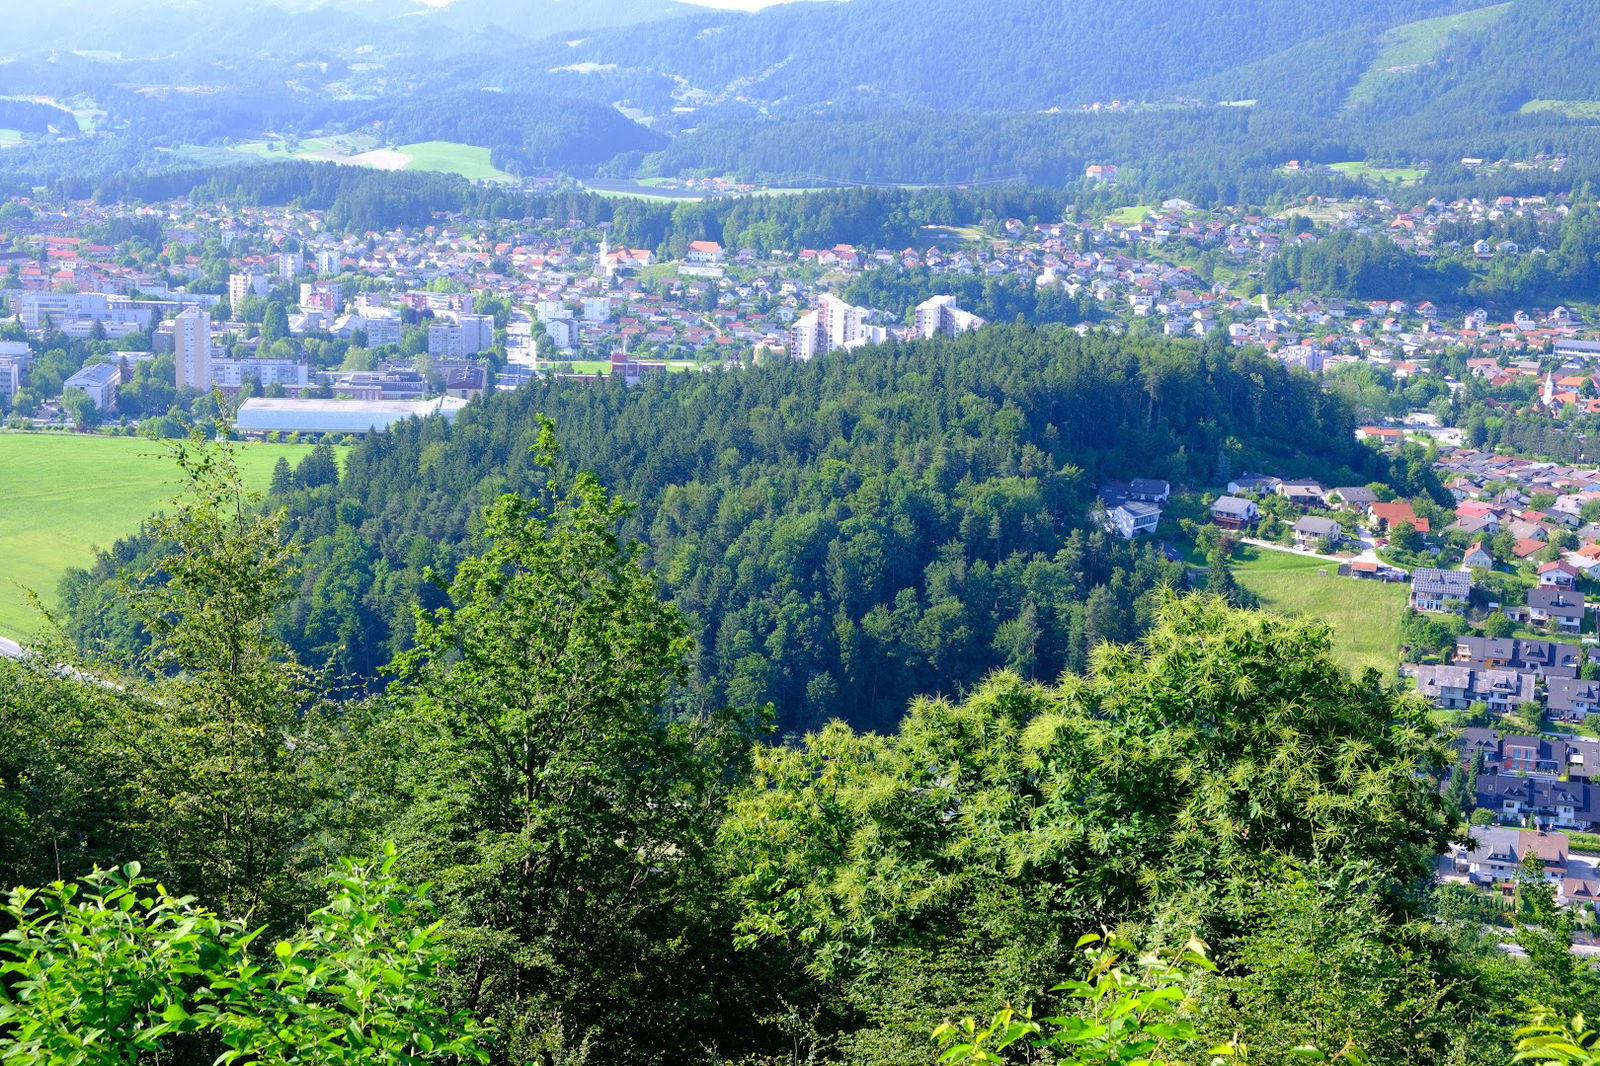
(839, 534)
(1012, 55)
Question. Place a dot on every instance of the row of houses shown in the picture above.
(1506, 674)
(1522, 779)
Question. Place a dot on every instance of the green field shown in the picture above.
(1127, 216)
(1414, 44)
(445, 157)
(307, 149)
(1365, 615)
(1404, 175)
(450, 158)
(1583, 109)
(66, 495)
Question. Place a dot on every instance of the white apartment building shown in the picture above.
(232, 373)
(938, 316)
(466, 335)
(98, 382)
(290, 264)
(383, 327)
(62, 309)
(597, 308)
(833, 324)
(10, 378)
(191, 340)
(563, 333)
(248, 284)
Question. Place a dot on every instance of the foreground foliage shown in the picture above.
(115, 970)
(623, 876)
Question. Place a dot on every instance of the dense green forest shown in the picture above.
(834, 532)
(30, 117)
(524, 133)
(900, 51)
(773, 97)
(1559, 263)
(620, 871)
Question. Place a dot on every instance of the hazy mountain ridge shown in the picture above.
(925, 90)
(949, 54)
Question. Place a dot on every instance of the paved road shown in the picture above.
(10, 648)
(1367, 554)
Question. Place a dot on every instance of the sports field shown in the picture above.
(63, 495)
(1365, 615)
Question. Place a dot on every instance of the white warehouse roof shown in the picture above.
(262, 414)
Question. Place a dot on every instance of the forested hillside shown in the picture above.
(776, 97)
(834, 532)
(952, 55)
(621, 876)
(523, 132)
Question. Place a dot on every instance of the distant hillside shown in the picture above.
(953, 54)
(543, 18)
(895, 91)
(523, 131)
(250, 27)
(1537, 51)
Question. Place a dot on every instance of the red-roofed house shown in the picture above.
(1384, 515)
(1526, 547)
(1558, 575)
(704, 253)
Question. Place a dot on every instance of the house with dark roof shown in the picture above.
(1440, 591)
(1495, 853)
(1253, 484)
(1549, 802)
(1302, 491)
(1454, 687)
(1356, 497)
(1150, 490)
(1235, 513)
(1515, 753)
(1556, 607)
(1309, 530)
(1572, 699)
(1477, 525)
(1546, 658)
(1133, 518)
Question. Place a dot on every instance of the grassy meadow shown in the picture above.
(1404, 175)
(1365, 615)
(447, 157)
(1588, 110)
(357, 149)
(63, 495)
(1407, 47)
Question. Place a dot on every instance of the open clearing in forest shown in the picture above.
(1405, 48)
(62, 495)
(448, 157)
(1365, 615)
